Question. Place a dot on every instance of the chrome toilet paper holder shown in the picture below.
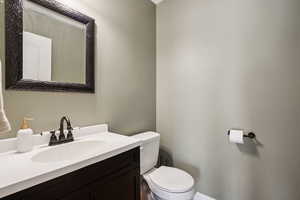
(250, 135)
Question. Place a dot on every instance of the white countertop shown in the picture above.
(19, 171)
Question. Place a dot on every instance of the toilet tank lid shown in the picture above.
(147, 137)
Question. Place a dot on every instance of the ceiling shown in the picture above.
(156, 1)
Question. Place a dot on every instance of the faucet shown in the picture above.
(62, 138)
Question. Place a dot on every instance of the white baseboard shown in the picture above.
(199, 196)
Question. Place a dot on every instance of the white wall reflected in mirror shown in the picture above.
(37, 52)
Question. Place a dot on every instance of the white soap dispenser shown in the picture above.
(25, 137)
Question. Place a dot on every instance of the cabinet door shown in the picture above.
(124, 186)
(82, 194)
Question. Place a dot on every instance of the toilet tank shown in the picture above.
(149, 150)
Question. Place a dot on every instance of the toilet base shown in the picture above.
(146, 193)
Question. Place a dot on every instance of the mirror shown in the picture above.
(49, 47)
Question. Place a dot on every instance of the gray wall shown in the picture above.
(125, 73)
(223, 64)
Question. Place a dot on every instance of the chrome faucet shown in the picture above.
(62, 138)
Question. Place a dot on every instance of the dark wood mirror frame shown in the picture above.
(14, 49)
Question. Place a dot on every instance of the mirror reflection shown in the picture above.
(49, 50)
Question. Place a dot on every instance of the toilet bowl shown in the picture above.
(165, 183)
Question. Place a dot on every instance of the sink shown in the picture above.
(69, 151)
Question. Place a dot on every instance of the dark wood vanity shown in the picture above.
(117, 178)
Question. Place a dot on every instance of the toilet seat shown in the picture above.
(172, 179)
(170, 183)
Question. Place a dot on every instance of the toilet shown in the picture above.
(165, 183)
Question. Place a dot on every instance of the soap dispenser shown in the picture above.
(25, 137)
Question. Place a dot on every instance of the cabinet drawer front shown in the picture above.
(128, 160)
(81, 194)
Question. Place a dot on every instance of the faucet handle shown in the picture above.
(53, 138)
(70, 136)
(53, 133)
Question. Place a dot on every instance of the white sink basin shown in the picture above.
(69, 151)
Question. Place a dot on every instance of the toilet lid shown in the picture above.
(172, 179)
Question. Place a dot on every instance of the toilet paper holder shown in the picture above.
(250, 135)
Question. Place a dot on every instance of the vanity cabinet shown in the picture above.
(117, 178)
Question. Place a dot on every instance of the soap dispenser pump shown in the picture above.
(25, 137)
